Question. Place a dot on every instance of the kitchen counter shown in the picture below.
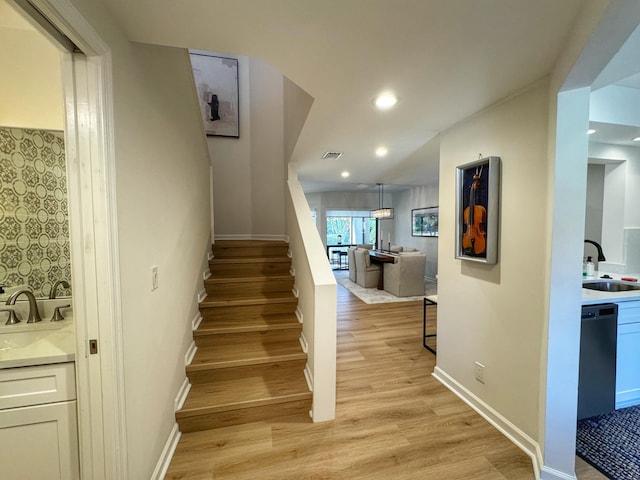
(37, 344)
(591, 297)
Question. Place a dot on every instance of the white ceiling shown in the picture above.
(446, 59)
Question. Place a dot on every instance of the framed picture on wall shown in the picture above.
(216, 80)
(477, 210)
(424, 222)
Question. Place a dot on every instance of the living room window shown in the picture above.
(350, 227)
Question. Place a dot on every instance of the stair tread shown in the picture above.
(222, 356)
(251, 260)
(248, 324)
(250, 243)
(275, 387)
(252, 299)
(248, 278)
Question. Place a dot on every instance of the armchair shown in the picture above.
(405, 277)
(367, 274)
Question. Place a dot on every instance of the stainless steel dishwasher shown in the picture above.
(597, 379)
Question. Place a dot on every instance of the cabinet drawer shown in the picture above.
(37, 385)
(628, 312)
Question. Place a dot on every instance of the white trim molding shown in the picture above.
(195, 323)
(299, 314)
(182, 394)
(303, 343)
(191, 352)
(167, 454)
(202, 295)
(523, 441)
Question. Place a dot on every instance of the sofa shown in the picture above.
(366, 273)
(405, 277)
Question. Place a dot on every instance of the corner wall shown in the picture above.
(485, 313)
(249, 172)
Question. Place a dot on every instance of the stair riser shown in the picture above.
(241, 416)
(223, 290)
(265, 338)
(229, 313)
(258, 251)
(248, 269)
(285, 369)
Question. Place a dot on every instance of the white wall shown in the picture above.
(162, 188)
(595, 192)
(404, 202)
(485, 313)
(249, 172)
(31, 82)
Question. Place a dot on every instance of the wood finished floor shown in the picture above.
(394, 420)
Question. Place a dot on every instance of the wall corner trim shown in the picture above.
(523, 441)
(191, 352)
(167, 454)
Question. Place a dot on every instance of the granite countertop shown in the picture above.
(590, 297)
(37, 344)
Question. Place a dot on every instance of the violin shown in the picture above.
(474, 241)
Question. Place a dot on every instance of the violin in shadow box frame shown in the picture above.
(477, 210)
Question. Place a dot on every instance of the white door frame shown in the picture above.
(87, 90)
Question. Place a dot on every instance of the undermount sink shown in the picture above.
(609, 286)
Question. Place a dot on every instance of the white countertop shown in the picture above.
(591, 297)
(37, 344)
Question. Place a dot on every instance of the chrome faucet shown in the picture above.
(54, 289)
(599, 248)
(34, 314)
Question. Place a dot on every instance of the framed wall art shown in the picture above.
(477, 210)
(424, 222)
(216, 80)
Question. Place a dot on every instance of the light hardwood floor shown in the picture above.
(394, 420)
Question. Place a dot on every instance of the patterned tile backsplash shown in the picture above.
(34, 223)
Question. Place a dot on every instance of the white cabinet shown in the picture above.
(38, 423)
(628, 355)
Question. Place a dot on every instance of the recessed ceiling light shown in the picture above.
(385, 100)
(591, 131)
(381, 151)
(345, 174)
(636, 139)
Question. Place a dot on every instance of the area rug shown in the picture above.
(373, 295)
(611, 443)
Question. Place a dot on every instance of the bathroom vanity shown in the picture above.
(38, 420)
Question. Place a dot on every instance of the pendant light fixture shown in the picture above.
(381, 213)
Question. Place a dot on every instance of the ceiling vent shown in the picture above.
(331, 155)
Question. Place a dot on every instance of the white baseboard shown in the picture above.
(304, 343)
(206, 275)
(195, 323)
(523, 441)
(308, 377)
(202, 295)
(167, 454)
(299, 314)
(295, 291)
(551, 474)
(191, 351)
(182, 394)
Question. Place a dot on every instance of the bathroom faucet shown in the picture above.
(54, 289)
(599, 248)
(34, 315)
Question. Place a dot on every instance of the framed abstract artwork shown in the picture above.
(216, 80)
(477, 210)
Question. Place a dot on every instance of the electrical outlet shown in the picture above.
(479, 370)
(154, 278)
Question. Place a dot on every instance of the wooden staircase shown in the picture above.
(249, 365)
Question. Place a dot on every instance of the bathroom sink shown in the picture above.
(20, 339)
(609, 286)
